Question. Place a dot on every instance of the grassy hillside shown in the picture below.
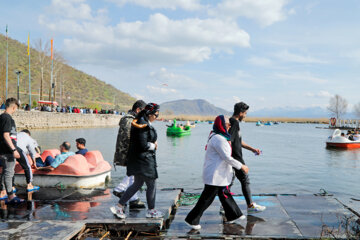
(79, 88)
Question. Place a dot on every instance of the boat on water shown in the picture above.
(211, 122)
(178, 131)
(338, 141)
(259, 123)
(188, 124)
(77, 171)
(268, 123)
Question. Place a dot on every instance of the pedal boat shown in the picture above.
(77, 171)
(337, 141)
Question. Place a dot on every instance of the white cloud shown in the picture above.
(320, 94)
(260, 61)
(236, 99)
(286, 56)
(157, 40)
(239, 79)
(165, 4)
(300, 77)
(265, 12)
(177, 81)
(161, 90)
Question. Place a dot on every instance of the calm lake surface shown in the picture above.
(294, 158)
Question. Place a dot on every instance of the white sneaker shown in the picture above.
(195, 227)
(118, 212)
(152, 213)
(255, 208)
(242, 217)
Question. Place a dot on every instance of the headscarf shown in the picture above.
(220, 128)
(151, 108)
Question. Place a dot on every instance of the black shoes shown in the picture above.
(136, 204)
(118, 194)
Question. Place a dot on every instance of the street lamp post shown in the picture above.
(18, 73)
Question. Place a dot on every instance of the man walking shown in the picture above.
(240, 111)
(8, 150)
(122, 147)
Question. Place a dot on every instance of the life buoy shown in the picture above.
(333, 122)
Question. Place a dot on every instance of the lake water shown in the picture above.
(294, 158)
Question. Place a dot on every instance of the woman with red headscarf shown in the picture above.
(217, 175)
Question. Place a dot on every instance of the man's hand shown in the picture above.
(156, 145)
(257, 151)
(245, 169)
(16, 154)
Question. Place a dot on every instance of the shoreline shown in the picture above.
(54, 120)
(247, 119)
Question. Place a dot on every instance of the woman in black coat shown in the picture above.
(142, 161)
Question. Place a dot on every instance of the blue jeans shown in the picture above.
(48, 161)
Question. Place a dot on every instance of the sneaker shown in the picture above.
(152, 213)
(118, 212)
(255, 208)
(195, 227)
(136, 204)
(118, 194)
(242, 217)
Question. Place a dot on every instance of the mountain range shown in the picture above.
(191, 107)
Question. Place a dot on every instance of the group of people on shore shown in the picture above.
(21, 147)
(136, 148)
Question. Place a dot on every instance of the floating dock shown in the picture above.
(72, 214)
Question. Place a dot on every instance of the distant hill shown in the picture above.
(79, 88)
(191, 107)
(295, 112)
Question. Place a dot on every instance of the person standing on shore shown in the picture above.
(142, 161)
(8, 150)
(240, 111)
(121, 151)
(217, 175)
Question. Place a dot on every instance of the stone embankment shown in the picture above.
(41, 120)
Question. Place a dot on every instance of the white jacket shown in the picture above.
(218, 164)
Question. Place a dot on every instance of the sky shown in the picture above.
(267, 53)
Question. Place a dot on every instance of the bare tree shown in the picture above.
(59, 62)
(43, 49)
(338, 106)
(357, 109)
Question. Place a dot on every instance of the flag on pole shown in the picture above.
(52, 54)
(6, 32)
(28, 49)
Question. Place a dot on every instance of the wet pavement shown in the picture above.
(289, 216)
(57, 212)
(51, 213)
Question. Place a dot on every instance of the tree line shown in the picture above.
(339, 106)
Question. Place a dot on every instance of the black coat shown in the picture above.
(141, 160)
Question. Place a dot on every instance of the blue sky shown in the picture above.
(268, 53)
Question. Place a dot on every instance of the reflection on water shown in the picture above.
(294, 158)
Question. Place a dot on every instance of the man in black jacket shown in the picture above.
(240, 111)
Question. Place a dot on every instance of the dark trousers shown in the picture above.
(245, 184)
(232, 211)
(24, 163)
(48, 161)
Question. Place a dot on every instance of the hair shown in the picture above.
(240, 107)
(11, 101)
(81, 141)
(26, 131)
(138, 104)
(150, 108)
(66, 145)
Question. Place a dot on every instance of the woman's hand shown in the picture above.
(245, 169)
